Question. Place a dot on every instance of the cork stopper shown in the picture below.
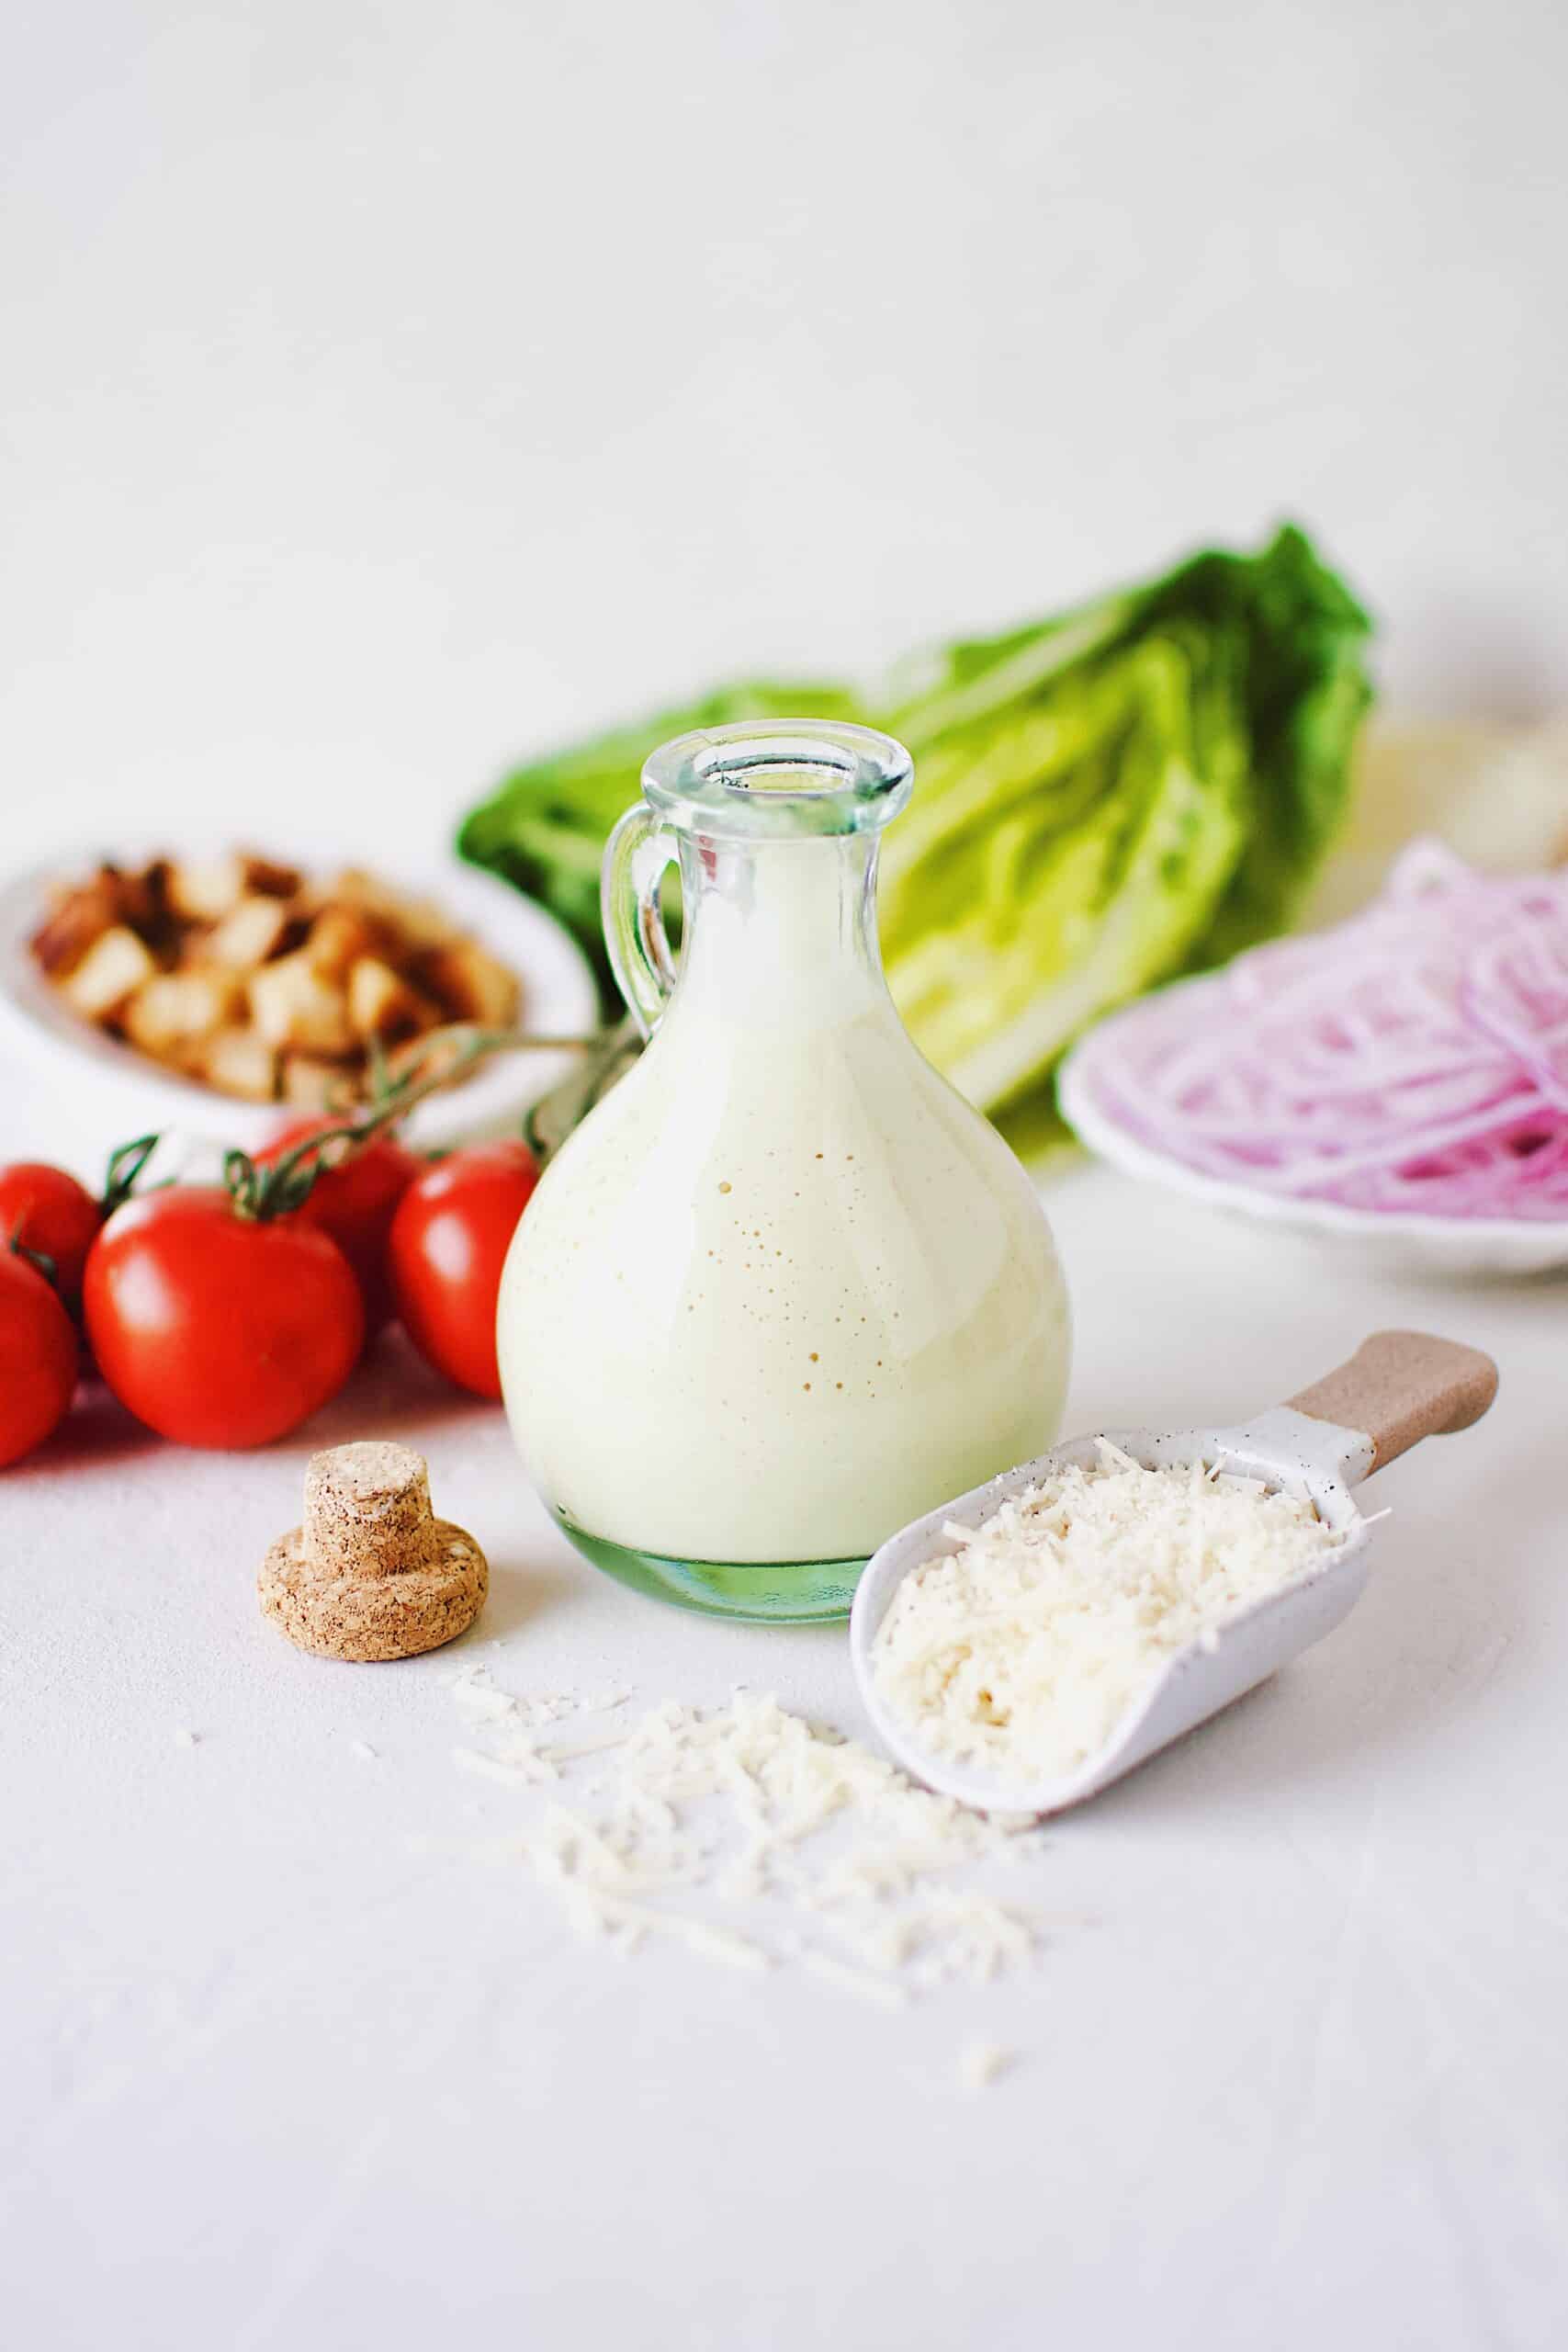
(368, 1508)
(372, 1573)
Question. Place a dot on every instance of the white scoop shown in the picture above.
(1399, 1386)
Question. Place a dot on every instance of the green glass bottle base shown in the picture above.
(774, 1592)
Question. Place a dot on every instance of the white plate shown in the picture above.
(107, 1091)
(1388, 1243)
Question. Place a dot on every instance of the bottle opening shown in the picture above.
(779, 778)
(778, 768)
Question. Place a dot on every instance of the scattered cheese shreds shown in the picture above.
(183, 1738)
(883, 1992)
(481, 1701)
(782, 1823)
(979, 2064)
(513, 1770)
(1022, 1650)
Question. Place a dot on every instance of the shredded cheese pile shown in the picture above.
(751, 1838)
(1022, 1651)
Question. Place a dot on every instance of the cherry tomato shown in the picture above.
(449, 1241)
(355, 1200)
(39, 1358)
(46, 1210)
(217, 1329)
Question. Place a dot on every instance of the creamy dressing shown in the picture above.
(784, 1290)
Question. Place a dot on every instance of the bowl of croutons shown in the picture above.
(208, 992)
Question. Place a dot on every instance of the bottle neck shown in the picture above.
(780, 934)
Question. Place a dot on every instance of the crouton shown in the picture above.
(251, 931)
(418, 922)
(141, 899)
(115, 964)
(293, 1005)
(266, 877)
(382, 1004)
(236, 1061)
(205, 892)
(174, 1011)
(312, 1084)
(77, 918)
(340, 936)
(470, 985)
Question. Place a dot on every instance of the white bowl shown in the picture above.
(103, 1092)
(1386, 1241)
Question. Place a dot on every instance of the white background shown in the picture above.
(389, 389)
(393, 388)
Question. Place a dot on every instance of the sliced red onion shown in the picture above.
(1413, 1060)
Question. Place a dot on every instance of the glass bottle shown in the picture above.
(783, 1290)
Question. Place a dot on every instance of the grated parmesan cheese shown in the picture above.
(822, 1855)
(979, 2064)
(1022, 1650)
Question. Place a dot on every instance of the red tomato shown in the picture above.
(449, 1242)
(217, 1329)
(356, 1201)
(46, 1210)
(39, 1358)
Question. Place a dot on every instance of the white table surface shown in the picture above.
(286, 2067)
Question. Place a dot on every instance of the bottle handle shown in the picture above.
(641, 958)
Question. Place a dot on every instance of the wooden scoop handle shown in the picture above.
(1402, 1385)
